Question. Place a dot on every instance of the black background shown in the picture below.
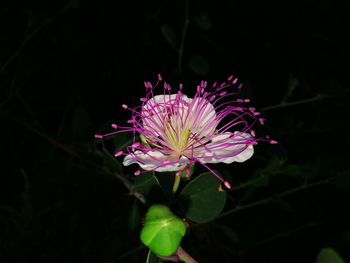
(66, 68)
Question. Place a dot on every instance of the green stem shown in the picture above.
(293, 103)
(176, 183)
(270, 199)
(184, 256)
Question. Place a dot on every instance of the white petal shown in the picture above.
(201, 117)
(197, 115)
(226, 148)
(155, 160)
(155, 110)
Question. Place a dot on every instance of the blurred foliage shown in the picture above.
(67, 66)
(329, 255)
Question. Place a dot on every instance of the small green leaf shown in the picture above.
(169, 35)
(203, 20)
(111, 161)
(291, 170)
(293, 83)
(283, 204)
(199, 65)
(206, 199)
(145, 182)
(274, 166)
(148, 185)
(122, 140)
(152, 258)
(329, 255)
(262, 177)
(163, 231)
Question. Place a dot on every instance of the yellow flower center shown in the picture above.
(177, 139)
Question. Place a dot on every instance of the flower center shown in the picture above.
(177, 138)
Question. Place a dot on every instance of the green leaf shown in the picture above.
(329, 255)
(122, 140)
(152, 258)
(203, 20)
(274, 166)
(144, 183)
(148, 185)
(111, 161)
(262, 177)
(199, 65)
(163, 231)
(205, 196)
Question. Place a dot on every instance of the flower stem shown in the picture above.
(293, 103)
(176, 183)
(184, 256)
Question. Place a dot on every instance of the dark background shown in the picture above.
(66, 68)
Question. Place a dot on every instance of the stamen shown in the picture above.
(132, 121)
(135, 145)
(118, 153)
(188, 172)
(227, 184)
(252, 109)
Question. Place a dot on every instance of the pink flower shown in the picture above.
(177, 131)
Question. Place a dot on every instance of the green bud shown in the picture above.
(163, 231)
